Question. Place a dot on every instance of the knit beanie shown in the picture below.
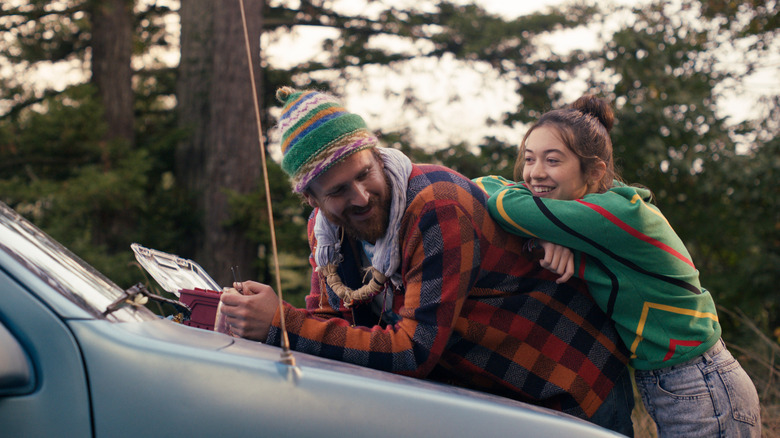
(317, 132)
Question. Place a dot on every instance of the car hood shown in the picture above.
(230, 349)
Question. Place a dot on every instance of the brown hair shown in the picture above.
(584, 128)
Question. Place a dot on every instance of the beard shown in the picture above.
(371, 229)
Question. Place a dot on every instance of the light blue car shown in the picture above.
(73, 363)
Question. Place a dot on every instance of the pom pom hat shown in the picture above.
(317, 132)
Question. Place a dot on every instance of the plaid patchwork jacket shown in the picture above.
(474, 309)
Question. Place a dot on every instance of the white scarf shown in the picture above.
(387, 256)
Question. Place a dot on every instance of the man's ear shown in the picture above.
(310, 199)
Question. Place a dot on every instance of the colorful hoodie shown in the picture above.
(636, 267)
(474, 310)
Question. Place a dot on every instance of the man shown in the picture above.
(412, 276)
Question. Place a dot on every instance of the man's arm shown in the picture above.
(440, 260)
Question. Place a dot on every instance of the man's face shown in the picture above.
(354, 194)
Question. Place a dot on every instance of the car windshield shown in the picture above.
(59, 268)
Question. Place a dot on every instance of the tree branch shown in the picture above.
(20, 106)
(33, 15)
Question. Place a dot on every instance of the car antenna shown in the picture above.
(287, 357)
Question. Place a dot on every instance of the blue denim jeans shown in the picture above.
(615, 412)
(709, 396)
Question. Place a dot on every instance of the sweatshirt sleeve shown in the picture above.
(618, 223)
(569, 223)
(492, 183)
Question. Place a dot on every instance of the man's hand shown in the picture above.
(250, 315)
(558, 259)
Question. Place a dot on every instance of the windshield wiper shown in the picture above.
(139, 295)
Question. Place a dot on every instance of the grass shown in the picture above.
(758, 354)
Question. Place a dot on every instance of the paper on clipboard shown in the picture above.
(172, 272)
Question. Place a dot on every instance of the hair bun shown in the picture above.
(598, 108)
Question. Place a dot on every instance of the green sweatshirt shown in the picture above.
(636, 267)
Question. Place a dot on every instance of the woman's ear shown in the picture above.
(597, 172)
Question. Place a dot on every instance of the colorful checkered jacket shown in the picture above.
(636, 267)
(475, 310)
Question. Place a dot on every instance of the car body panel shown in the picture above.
(16, 371)
(59, 399)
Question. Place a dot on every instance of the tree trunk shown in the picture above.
(112, 39)
(111, 46)
(215, 107)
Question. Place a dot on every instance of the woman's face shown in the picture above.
(551, 169)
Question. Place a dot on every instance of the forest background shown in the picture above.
(150, 135)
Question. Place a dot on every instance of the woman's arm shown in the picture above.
(619, 224)
(557, 258)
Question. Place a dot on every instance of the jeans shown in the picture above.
(615, 412)
(709, 396)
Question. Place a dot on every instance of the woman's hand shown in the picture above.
(558, 259)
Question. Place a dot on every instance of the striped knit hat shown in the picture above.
(317, 132)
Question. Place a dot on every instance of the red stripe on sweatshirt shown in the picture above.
(673, 343)
(634, 232)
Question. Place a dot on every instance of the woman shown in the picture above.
(636, 267)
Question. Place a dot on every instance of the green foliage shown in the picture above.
(43, 35)
(755, 18)
(72, 182)
(63, 134)
(741, 251)
(94, 196)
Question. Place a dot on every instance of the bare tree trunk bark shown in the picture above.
(215, 106)
(112, 75)
(112, 39)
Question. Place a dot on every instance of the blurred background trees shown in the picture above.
(150, 137)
